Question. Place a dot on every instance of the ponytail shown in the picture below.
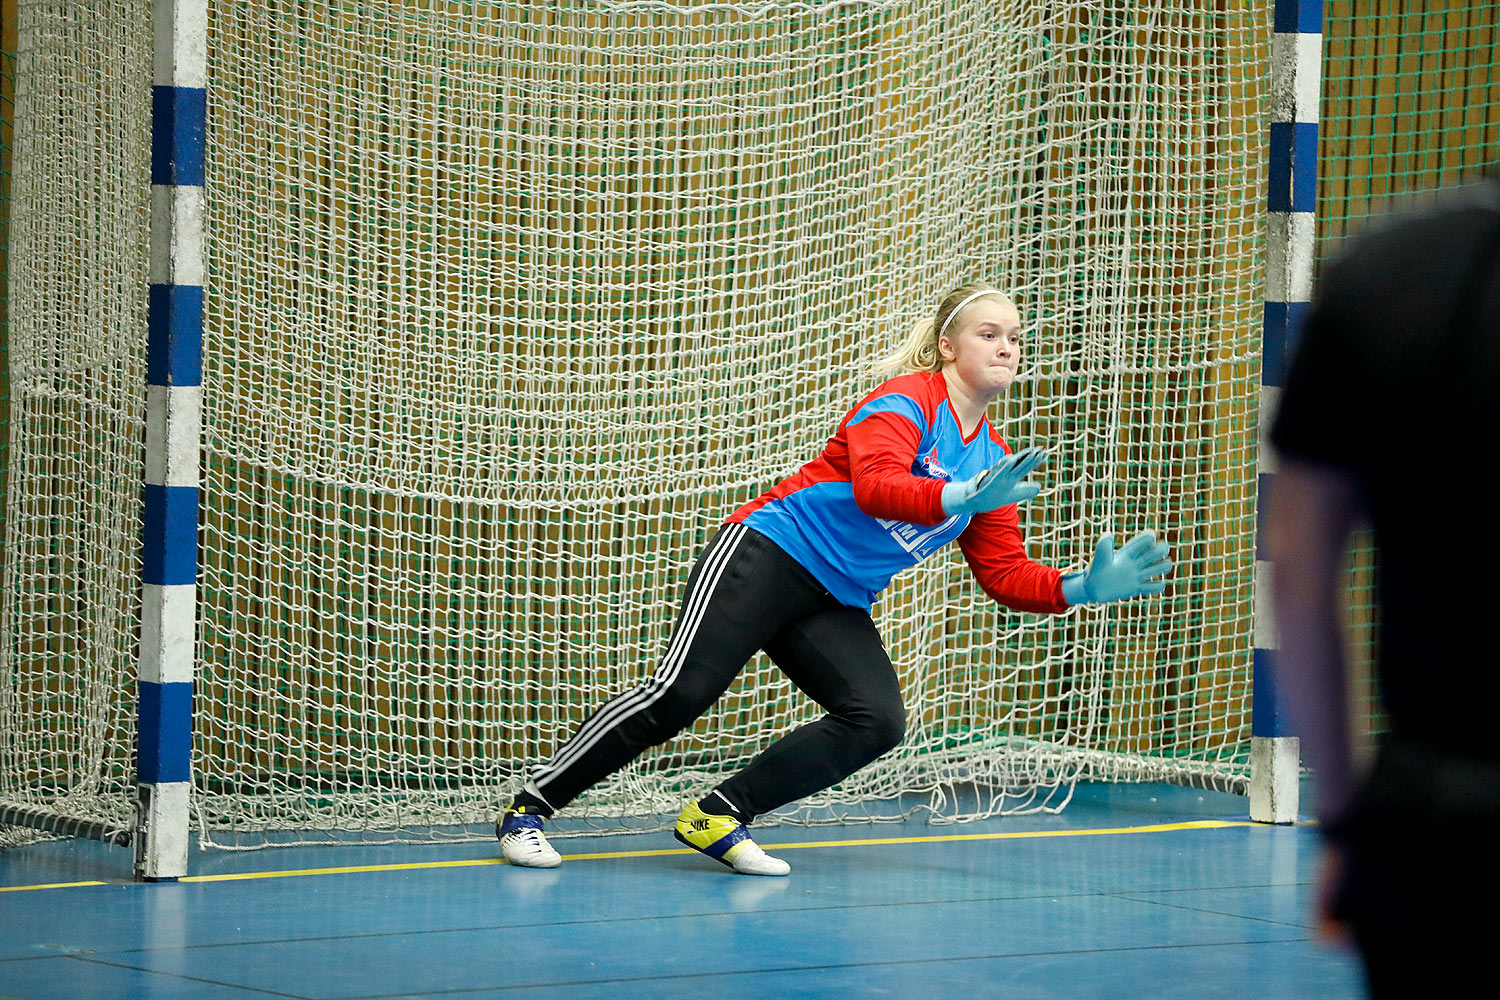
(917, 353)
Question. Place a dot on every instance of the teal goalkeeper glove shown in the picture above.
(998, 486)
(1136, 569)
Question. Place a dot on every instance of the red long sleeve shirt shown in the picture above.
(871, 505)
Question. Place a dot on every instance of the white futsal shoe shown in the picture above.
(726, 840)
(522, 841)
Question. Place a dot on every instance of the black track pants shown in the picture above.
(745, 594)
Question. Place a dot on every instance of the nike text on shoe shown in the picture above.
(726, 840)
(522, 841)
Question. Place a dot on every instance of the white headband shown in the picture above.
(959, 308)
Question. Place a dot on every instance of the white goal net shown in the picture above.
(510, 304)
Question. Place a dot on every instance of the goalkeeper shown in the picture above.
(794, 572)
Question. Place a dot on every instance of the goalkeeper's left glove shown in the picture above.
(1137, 568)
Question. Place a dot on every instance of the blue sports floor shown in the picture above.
(1135, 891)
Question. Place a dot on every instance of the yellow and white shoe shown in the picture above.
(522, 841)
(726, 840)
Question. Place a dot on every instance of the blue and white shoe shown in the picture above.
(726, 840)
(522, 841)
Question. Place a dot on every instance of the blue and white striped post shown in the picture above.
(174, 399)
(1296, 81)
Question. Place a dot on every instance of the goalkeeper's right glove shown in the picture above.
(996, 487)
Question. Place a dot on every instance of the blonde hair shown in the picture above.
(919, 351)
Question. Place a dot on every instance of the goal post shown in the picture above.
(174, 424)
(1292, 148)
(504, 306)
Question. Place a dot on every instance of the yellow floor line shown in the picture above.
(1210, 824)
(50, 885)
